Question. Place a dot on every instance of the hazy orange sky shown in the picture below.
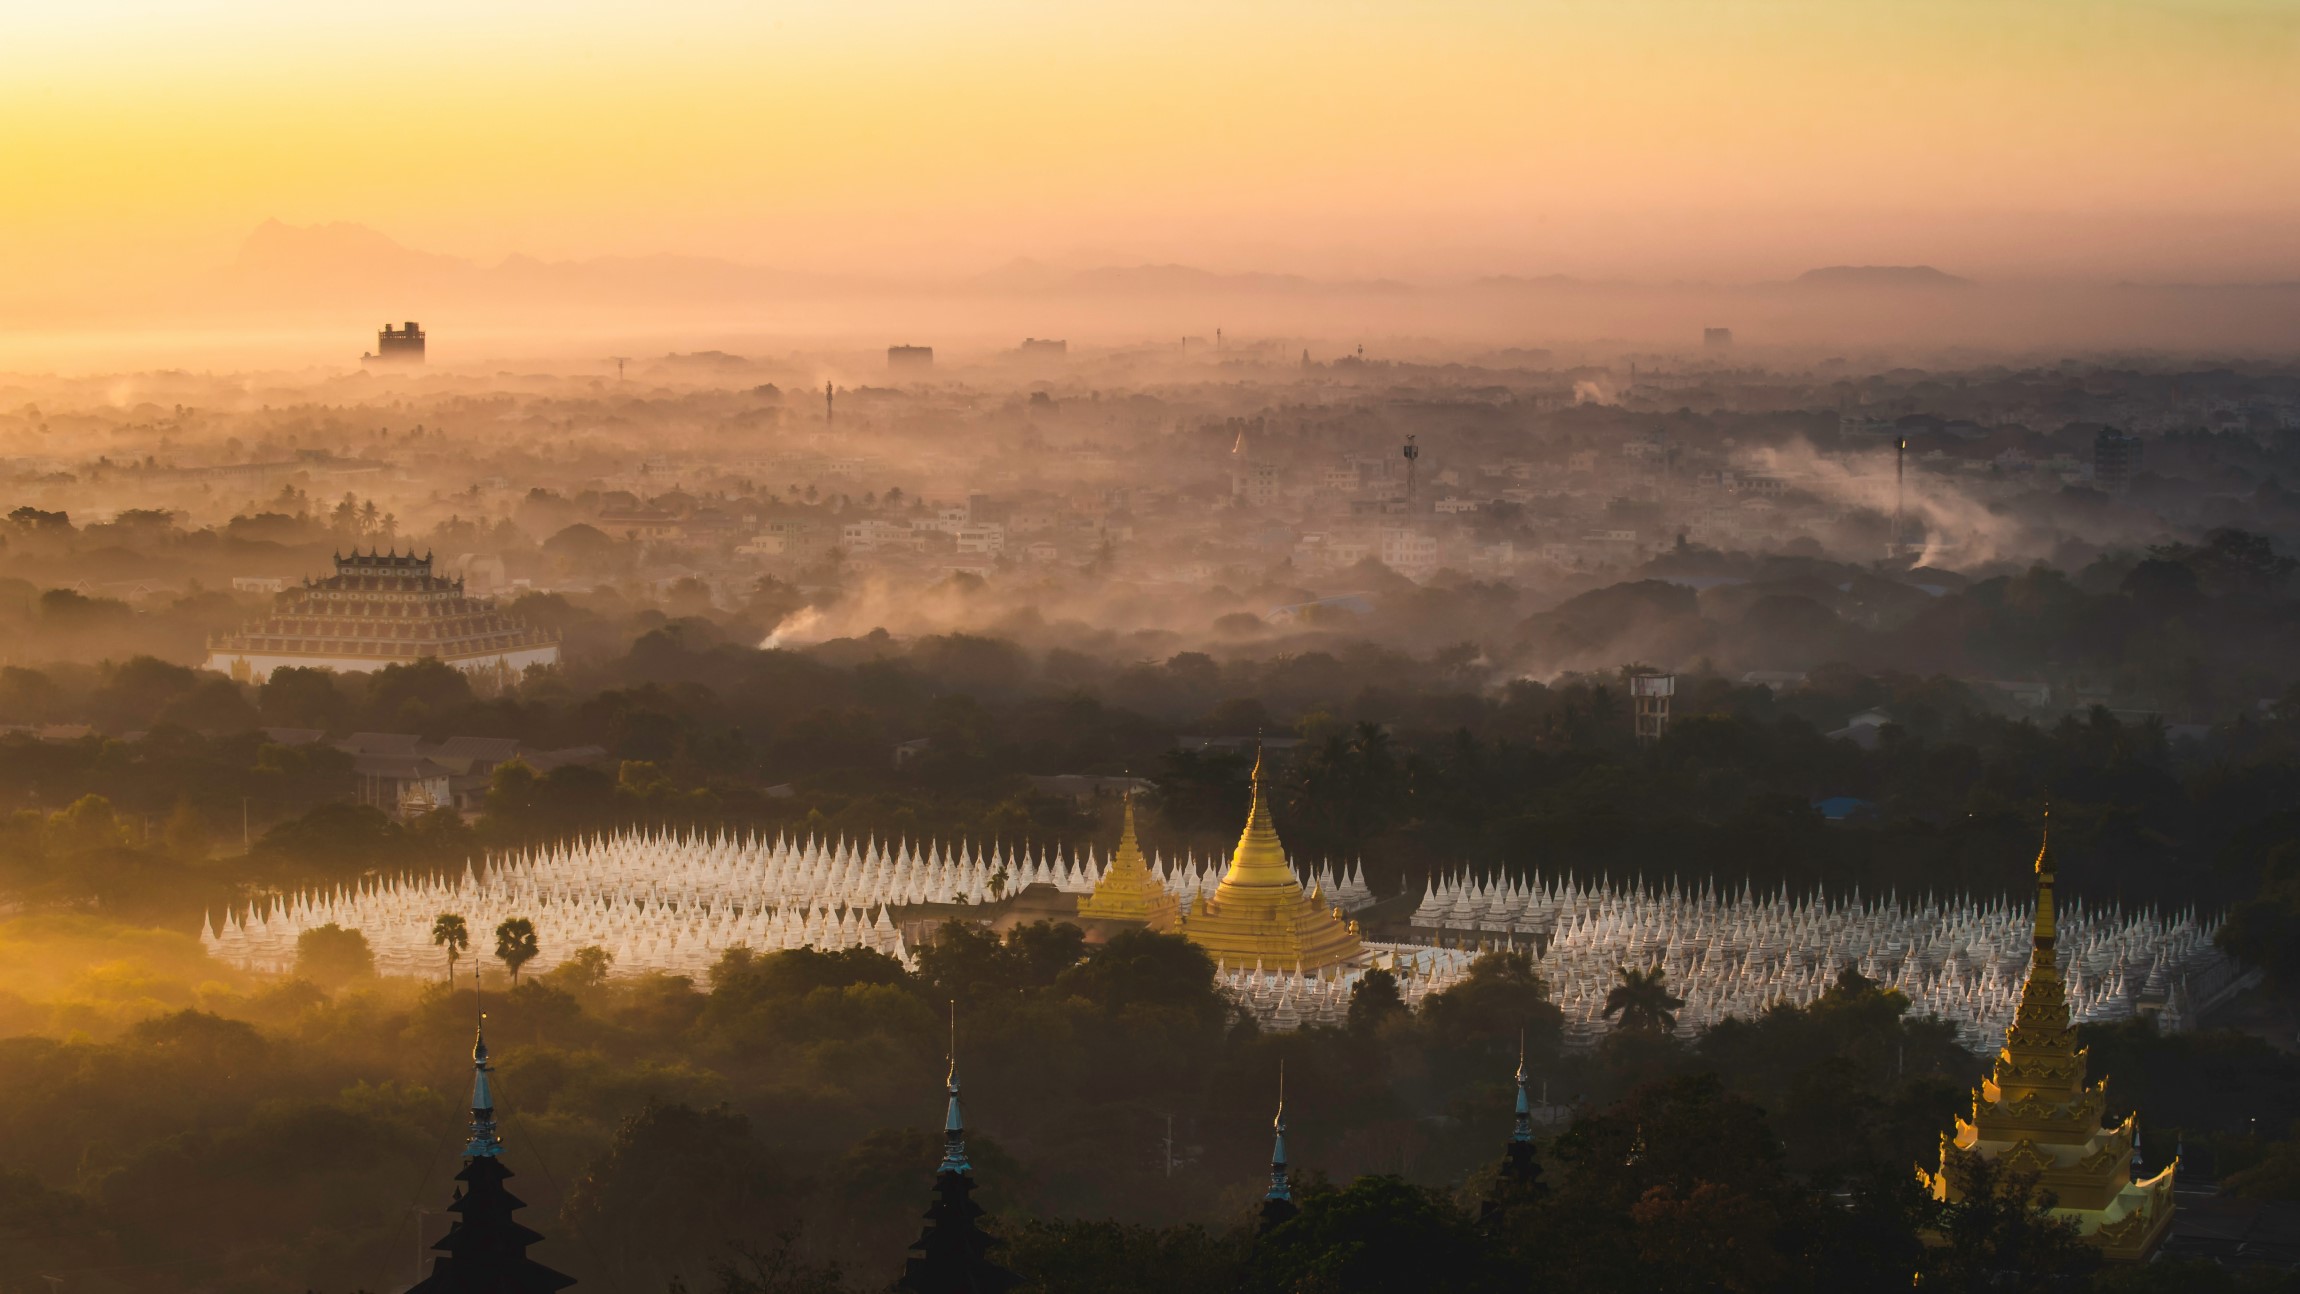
(1649, 138)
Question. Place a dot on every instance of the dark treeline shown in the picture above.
(1121, 1126)
(1412, 764)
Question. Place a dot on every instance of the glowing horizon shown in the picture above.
(1654, 137)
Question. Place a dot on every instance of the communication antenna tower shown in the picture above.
(1900, 476)
(620, 360)
(1411, 453)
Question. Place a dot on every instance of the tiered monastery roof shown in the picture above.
(378, 609)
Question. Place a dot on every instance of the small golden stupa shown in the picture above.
(1127, 890)
(2036, 1113)
(1260, 916)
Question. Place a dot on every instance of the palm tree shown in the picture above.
(516, 945)
(449, 932)
(1643, 1000)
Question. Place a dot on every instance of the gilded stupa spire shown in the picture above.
(1260, 859)
(1128, 891)
(1260, 915)
(2039, 1113)
(2045, 921)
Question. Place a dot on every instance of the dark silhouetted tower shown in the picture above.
(486, 1250)
(397, 346)
(952, 1255)
(1519, 1180)
(1412, 454)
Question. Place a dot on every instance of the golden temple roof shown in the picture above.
(1128, 891)
(2038, 1112)
(1259, 915)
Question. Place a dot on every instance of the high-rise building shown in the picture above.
(2115, 458)
(1048, 348)
(397, 346)
(909, 359)
(486, 1249)
(1717, 338)
(2038, 1114)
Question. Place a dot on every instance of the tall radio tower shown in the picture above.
(1410, 453)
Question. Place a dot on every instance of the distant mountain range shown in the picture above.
(1880, 276)
(290, 264)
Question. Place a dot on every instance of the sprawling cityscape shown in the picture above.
(850, 649)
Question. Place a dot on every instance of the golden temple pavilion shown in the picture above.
(2037, 1113)
(1128, 891)
(1260, 915)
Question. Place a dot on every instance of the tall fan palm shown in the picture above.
(1643, 1000)
(516, 945)
(449, 932)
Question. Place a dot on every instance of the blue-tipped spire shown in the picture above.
(483, 1143)
(954, 1123)
(1281, 1187)
(1524, 1130)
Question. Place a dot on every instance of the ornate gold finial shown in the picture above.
(2045, 923)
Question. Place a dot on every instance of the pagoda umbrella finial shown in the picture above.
(1278, 1205)
(954, 1158)
(484, 1144)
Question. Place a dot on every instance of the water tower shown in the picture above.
(1650, 694)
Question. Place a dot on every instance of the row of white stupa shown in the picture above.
(1729, 954)
(675, 903)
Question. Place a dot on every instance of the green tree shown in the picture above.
(516, 945)
(677, 1186)
(331, 956)
(585, 969)
(1380, 1235)
(186, 832)
(1643, 1001)
(449, 931)
(2001, 1234)
(1375, 1001)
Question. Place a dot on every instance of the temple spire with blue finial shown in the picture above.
(954, 1120)
(1278, 1205)
(1519, 1179)
(1522, 1134)
(484, 1142)
(952, 1255)
(485, 1251)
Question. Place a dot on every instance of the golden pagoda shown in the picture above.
(1260, 916)
(2036, 1113)
(1127, 890)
